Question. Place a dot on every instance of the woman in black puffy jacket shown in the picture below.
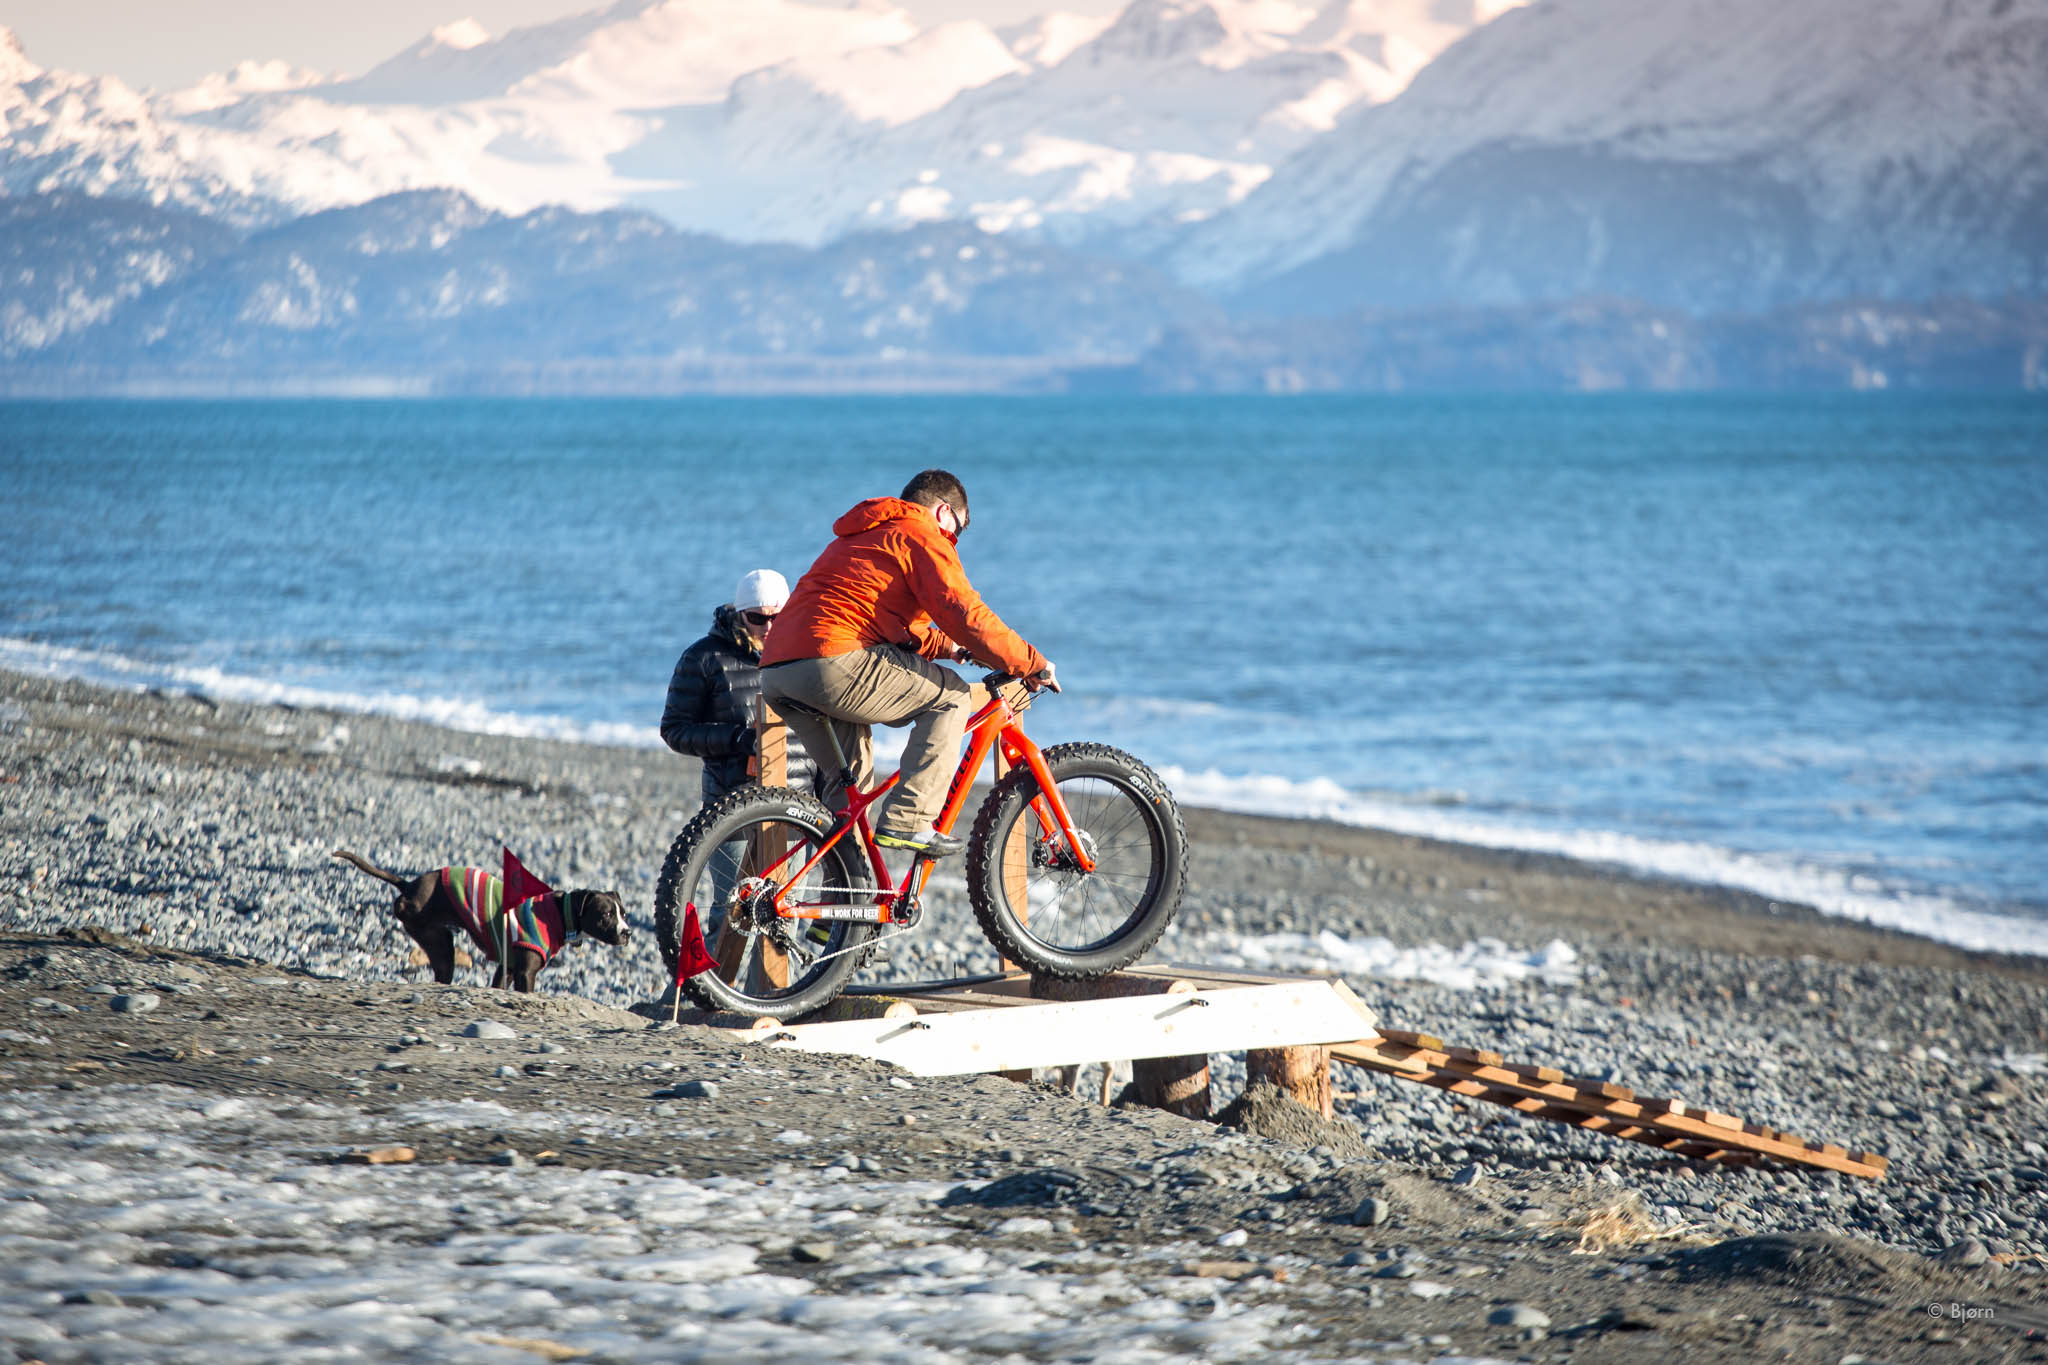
(717, 686)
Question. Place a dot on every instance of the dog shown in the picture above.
(518, 922)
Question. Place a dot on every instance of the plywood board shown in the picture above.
(1286, 1014)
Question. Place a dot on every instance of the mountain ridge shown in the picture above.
(1887, 146)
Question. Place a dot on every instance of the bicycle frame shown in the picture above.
(993, 725)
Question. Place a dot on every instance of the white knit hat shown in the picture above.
(763, 588)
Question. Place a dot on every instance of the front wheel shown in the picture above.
(728, 863)
(1033, 900)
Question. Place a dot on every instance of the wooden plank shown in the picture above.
(1071, 1034)
(1419, 1040)
(1672, 1125)
(1016, 860)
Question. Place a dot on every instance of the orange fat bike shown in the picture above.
(1075, 866)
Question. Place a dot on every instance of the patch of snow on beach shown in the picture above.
(450, 713)
(251, 1245)
(1483, 964)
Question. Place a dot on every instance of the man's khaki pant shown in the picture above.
(880, 685)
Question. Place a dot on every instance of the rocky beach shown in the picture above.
(242, 1127)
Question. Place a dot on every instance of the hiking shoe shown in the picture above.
(926, 843)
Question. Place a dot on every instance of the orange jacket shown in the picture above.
(892, 577)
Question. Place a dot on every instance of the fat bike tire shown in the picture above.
(715, 862)
(1033, 901)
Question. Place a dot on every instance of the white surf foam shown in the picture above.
(451, 713)
(1833, 891)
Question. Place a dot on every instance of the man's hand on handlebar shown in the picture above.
(1033, 682)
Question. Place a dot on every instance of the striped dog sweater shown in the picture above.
(540, 922)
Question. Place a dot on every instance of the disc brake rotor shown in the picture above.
(1059, 858)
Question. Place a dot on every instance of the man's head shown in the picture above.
(944, 495)
(758, 598)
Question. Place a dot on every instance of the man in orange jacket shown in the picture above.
(856, 641)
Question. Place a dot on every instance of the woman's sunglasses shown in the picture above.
(757, 618)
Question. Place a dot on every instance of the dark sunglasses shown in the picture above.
(757, 618)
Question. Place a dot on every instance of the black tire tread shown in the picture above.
(668, 909)
(982, 872)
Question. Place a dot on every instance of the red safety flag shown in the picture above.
(693, 958)
(521, 885)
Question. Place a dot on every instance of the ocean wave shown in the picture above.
(1836, 891)
(450, 713)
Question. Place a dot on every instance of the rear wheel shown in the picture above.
(1035, 902)
(729, 863)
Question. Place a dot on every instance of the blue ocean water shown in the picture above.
(1796, 644)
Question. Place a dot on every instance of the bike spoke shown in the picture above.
(1074, 910)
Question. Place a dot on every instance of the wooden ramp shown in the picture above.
(1166, 1020)
(1676, 1126)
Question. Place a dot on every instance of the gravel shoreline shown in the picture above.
(175, 849)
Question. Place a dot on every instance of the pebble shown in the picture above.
(1236, 1237)
(1968, 1254)
(489, 1028)
(1519, 1316)
(135, 1004)
(1398, 1270)
(508, 1157)
(507, 1071)
(1371, 1212)
(696, 1090)
(813, 1253)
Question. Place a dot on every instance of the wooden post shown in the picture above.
(1015, 851)
(1016, 860)
(1303, 1072)
(770, 765)
(1179, 1085)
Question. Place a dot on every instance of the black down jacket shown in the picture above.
(715, 683)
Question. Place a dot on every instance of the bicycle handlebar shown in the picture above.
(992, 681)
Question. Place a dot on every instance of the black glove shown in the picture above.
(745, 739)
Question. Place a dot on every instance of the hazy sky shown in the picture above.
(171, 44)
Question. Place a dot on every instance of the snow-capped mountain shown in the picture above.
(759, 119)
(1708, 154)
(430, 281)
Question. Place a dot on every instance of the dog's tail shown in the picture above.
(371, 868)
